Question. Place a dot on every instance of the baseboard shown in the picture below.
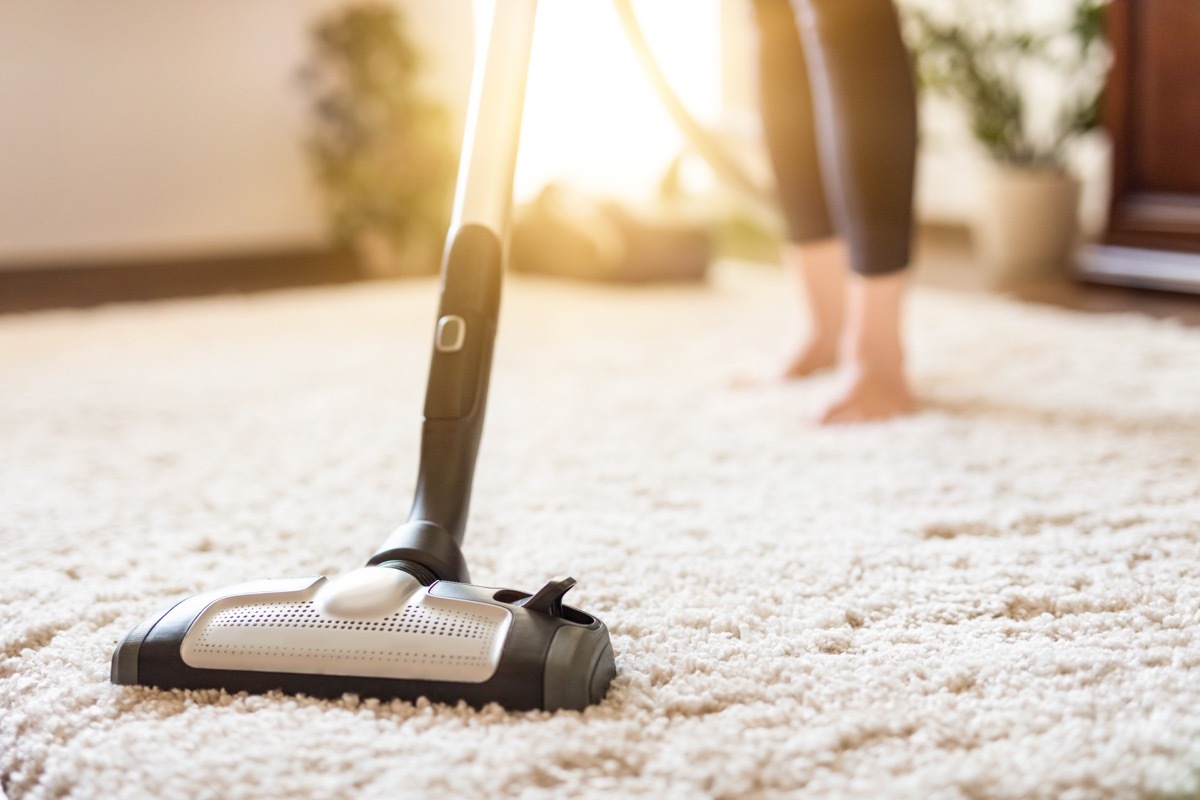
(82, 285)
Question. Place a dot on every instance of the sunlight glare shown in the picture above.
(591, 118)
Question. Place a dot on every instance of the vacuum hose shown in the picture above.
(705, 143)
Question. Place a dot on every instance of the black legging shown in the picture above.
(840, 120)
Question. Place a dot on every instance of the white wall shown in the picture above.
(134, 128)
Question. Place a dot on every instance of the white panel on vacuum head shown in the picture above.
(431, 638)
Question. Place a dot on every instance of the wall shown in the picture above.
(141, 128)
(138, 128)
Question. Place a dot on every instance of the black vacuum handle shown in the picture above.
(456, 397)
(428, 545)
(455, 402)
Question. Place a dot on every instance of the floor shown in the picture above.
(944, 260)
(995, 599)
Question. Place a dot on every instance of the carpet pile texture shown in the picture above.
(996, 598)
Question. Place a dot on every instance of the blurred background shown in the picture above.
(281, 142)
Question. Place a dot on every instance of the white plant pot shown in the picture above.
(1027, 227)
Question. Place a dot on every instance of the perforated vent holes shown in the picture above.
(433, 639)
(412, 619)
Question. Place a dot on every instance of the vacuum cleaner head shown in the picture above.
(377, 632)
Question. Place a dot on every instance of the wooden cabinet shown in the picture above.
(1152, 113)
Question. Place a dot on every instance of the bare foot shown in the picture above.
(874, 385)
(817, 271)
(869, 396)
(807, 359)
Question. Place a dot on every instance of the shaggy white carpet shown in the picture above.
(999, 597)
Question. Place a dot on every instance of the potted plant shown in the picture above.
(976, 53)
(379, 148)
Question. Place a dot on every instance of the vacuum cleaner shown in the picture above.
(410, 624)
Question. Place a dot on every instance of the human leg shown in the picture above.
(814, 258)
(865, 106)
(817, 272)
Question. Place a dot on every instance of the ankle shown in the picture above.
(884, 359)
(873, 340)
(823, 341)
(818, 271)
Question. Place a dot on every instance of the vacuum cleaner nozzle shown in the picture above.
(377, 632)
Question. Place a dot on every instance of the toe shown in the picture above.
(839, 413)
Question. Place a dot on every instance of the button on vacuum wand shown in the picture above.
(451, 333)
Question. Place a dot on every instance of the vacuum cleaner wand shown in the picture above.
(472, 271)
(409, 624)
